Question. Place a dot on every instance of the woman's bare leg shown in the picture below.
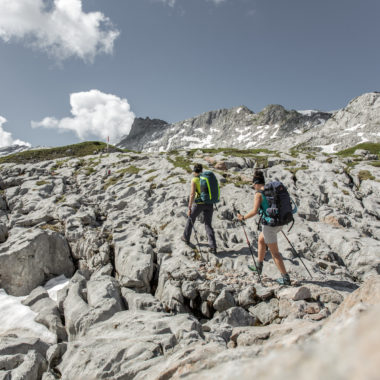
(261, 248)
(277, 257)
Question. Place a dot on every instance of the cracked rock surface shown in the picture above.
(140, 304)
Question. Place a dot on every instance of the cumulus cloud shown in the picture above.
(58, 27)
(6, 138)
(95, 114)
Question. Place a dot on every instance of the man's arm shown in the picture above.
(192, 196)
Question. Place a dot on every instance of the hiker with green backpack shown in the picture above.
(204, 193)
(272, 202)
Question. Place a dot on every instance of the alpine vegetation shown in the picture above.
(106, 271)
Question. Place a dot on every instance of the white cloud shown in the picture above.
(6, 138)
(59, 27)
(95, 114)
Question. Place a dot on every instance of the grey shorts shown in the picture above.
(270, 234)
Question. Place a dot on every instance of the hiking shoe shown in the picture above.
(257, 269)
(212, 250)
(284, 280)
(187, 242)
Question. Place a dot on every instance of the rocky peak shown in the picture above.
(141, 128)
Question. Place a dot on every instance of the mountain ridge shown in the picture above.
(273, 127)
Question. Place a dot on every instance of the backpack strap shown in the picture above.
(262, 211)
(295, 209)
(259, 222)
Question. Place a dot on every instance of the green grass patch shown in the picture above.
(56, 227)
(89, 170)
(349, 166)
(364, 175)
(373, 148)
(75, 150)
(60, 199)
(295, 170)
(376, 164)
(303, 148)
(116, 178)
(163, 226)
(111, 181)
(41, 183)
(180, 162)
(151, 179)
(130, 170)
(58, 164)
(233, 152)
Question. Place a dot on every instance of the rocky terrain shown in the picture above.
(96, 283)
(274, 128)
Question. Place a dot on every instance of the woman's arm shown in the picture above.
(256, 205)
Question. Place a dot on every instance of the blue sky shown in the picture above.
(174, 60)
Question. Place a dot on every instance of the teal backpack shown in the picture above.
(210, 191)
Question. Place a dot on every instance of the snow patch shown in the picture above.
(243, 137)
(355, 127)
(307, 112)
(56, 284)
(251, 144)
(275, 132)
(297, 131)
(19, 319)
(191, 138)
(328, 148)
(214, 130)
(198, 143)
(239, 109)
(199, 130)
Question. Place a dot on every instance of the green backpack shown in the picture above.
(210, 191)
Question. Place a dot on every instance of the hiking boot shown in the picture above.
(212, 250)
(187, 242)
(284, 280)
(257, 269)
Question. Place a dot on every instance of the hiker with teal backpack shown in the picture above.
(204, 194)
(273, 203)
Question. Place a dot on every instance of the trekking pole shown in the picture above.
(250, 249)
(196, 235)
(296, 253)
